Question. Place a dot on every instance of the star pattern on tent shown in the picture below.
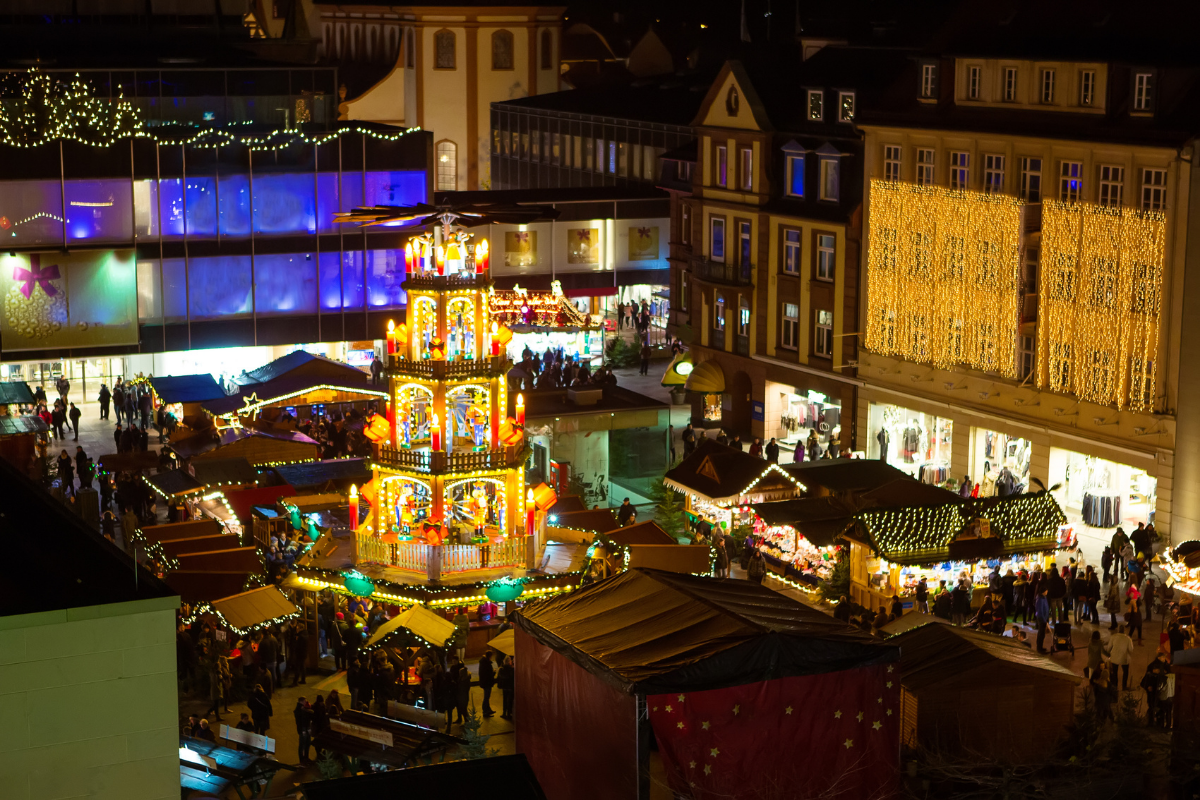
(704, 726)
(876, 724)
(890, 667)
(668, 708)
(788, 710)
(691, 765)
(715, 752)
(680, 726)
(837, 715)
(736, 710)
(880, 700)
(655, 708)
(681, 696)
(860, 716)
(889, 684)
(849, 743)
(707, 769)
(889, 712)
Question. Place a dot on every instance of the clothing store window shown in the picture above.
(999, 464)
(809, 422)
(911, 441)
(1097, 493)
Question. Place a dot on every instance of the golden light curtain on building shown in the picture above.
(943, 281)
(1099, 302)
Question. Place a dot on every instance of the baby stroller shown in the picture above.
(1062, 638)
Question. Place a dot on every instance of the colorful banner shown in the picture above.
(643, 243)
(520, 248)
(583, 245)
(53, 300)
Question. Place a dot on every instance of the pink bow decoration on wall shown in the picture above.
(37, 275)
(522, 237)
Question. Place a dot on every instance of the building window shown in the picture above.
(960, 170)
(502, 50)
(547, 50)
(599, 155)
(747, 168)
(1026, 358)
(1070, 181)
(1112, 185)
(791, 251)
(743, 315)
(795, 165)
(789, 332)
(830, 179)
(719, 314)
(1031, 180)
(558, 149)
(612, 157)
(993, 174)
(447, 166)
(685, 224)
(823, 342)
(891, 162)
(826, 254)
(816, 102)
(722, 166)
(1143, 91)
(974, 74)
(928, 80)
(1087, 87)
(1154, 189)
(745, 258)
(1010, 84)
(443, 48)
(536, 154)
(623, 159)
(684, 290)
(716, 246)
(1047, 86)
(924, 167)
(845, 106)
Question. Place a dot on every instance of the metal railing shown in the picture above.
(458, 280)
(434, 561)
(428, 461)
(439, 369)
(728, 274)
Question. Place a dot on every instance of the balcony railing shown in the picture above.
(462, 461)
(435, 561)
(717, 340)
(727, 274)
(459, 280)
(441, 369)
(742, 345)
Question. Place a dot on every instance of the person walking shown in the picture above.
(960, 604)
(1102, 679)
(219, 681)
(260, 709)
(462, 689)
(757, 569)
(772, 451)
(1041, 612)
(304, 718)
(1093, 596)
(756, 448)
(104, 397)
(689, 440)
(58, 418)
(487, 679)
(298, 653)
(118, 398)
(646, 352)
(1134, 616)
(922, 596)
(721, 563)
(506, 680)
(74, 416)
(64, 387)
(1096, 652)
(1112, 602)
(1122, 649)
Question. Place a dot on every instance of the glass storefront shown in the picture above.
(85, 375)
(1097, 493)
(1000, 463)
(804, 414)
(911, 441)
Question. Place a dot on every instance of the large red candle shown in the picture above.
(353, 507)
(435, 428)
(408, 258)
(391, 338)
(530, 510)
(521, 409)
(481, 257)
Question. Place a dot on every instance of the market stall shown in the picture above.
(544, 321)
(798, 537)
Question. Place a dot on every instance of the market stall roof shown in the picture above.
(1021, 523)
(14, 426)
(562, 557)
(204, 586)
(846, 474)
(907, 493)
(129, 462)
(15, 393)
(647, 631)
(707, 377)
(678, 370)
(401, 746)
(179, 530)
(498, 778)
(224, 472)
(641, 533)
(567, 504)
(175, 483)
(725, 474)
(320, 473)
(300, 363)
(933, 653)
(505, 642)
(418, 620)
(255, 607)
(186, 388)
(597, 520)
(820, 519)
(912, 620)
(286, 389)
(242, 501)
(209, 440)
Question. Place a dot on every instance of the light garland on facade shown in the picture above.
(943, 282)
(1100, 302)
(255, 405)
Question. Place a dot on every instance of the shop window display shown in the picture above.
(799, 557)
(1001, 464)
(712, 408)
(1101, 493)
(913, 442)
(810, 419)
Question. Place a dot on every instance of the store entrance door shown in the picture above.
(740, 404)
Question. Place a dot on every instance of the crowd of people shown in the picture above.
(555, 369)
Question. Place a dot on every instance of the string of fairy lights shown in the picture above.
(944, 284)
(1100, 295)
(45, 109)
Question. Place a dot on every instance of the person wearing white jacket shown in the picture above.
(1121, 647)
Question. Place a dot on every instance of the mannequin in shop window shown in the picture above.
(884, 439)
(913, 441)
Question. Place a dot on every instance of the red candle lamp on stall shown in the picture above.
(353, 507)
(408, 258)
(521, 410)
(495, 339)
(435, 428)
(440, 255)
(530, 511)
(481, 257)
(391, 337)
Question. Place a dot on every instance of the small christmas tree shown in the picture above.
(668, 510)
(476, 742)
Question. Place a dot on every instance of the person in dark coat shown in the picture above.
(1056, 590)
(772, 451)
(444, 691)
(129, 439)
(304, 719)
(260, 709)
(960, 604)
(117, 433)
(104, 397)
(74, 414)
(66, 473)
(462, 689)
(943, 605)
(506, 679)
(320, 715)
(487, 679)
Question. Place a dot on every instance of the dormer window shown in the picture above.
(845, 106)
(929, 80)
(794, 155)
(816, 105)
(1143, 91)
(829, 184)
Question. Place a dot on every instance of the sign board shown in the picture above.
(416, 716)
(199, 759)
(359, 732)
(220, 636)
(757, 412)
(248, 738)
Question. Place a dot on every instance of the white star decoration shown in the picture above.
(715, 752)
(680, 726)
(860, 716)
(707, 769)
(889, 712)
(736, 709)
(849, 743)
(876, 724)
(890, 668)
(889, 684)
(788, 710)
(880, 700)
(704, 725)
(669, 708)
(837, 715)
(681, 696)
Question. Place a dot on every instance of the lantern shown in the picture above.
(504, 590)
(358, 584)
